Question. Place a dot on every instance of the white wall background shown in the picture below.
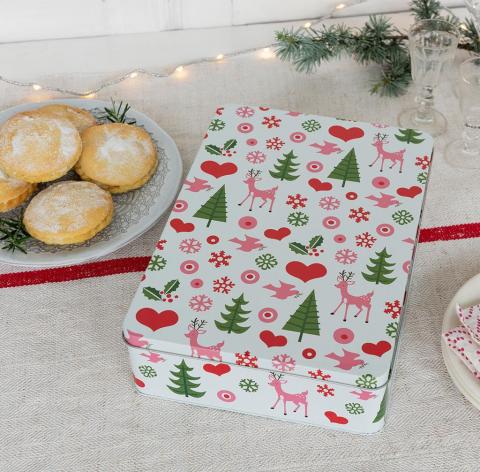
(25, 20)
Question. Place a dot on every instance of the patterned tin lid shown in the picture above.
(289, 247)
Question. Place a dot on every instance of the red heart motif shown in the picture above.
(271, 340)
(217, 369)
(305, 272)
(345, 134)
(277, 234)
(410, 192)
(334, 418)
(155, 320)
(218, 170)
(318, 185)
(181, 227)
(138, 382)
(378, 349)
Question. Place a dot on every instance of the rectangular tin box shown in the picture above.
(278, 284)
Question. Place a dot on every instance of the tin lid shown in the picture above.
(289, 247)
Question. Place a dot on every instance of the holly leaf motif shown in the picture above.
(231, 143)
(298, 248)
(212, 149)
(315, 241)
(152, 293)
(171, 286)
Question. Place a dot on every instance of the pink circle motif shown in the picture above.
(245, 128)
(343, 335)
(196, 283)
(314, 166)
(189, 267)
(380, 182)
(385, 230)
(180, 205)
(252, 142)
(340, 238)
(267, 315)
(247, 222)
(298, 137)
(406, 266)
(226, 396)
(250, 276)
(309, 353)
(213, 239)
(331, 222)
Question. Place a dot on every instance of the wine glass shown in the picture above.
(432, 45)
(465, 152)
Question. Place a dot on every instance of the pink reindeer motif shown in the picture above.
(378, 142)
(211, 352)
(296, 398)
(197, 185)
(267, 194)
(360, 301)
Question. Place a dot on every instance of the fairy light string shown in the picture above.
(266, 52)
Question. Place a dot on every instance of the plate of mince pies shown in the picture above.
(79, 179)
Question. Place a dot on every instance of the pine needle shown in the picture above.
(13, 234)
(117, 113)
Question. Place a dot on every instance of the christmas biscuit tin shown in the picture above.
(277, 286)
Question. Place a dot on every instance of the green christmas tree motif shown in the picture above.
(380, 269)
(215, 208)
(409, 136)
(234, 317)
(185, 384)
(382, 409)
(305, 318)
(346, 169)
(285, 168)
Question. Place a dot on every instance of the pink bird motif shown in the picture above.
(153, 357)
(293, 113)
(283, 291)
(135, 339)
(347, 361)
(384, 201)
(248, 244)
(326, 148)
(363, 394)
(197, 185)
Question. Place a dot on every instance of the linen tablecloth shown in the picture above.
(67, 400)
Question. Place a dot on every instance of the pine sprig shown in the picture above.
(118, 113)
(13, 234)
(425, 9)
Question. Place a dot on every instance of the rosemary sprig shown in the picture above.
(118, 113)
(13, 234)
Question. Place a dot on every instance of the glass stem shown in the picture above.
(424, 99)
(471, 136)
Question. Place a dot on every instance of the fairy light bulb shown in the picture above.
(340, 6)
(220, 57)
(307, 25)
(179, 69)
(267, 53)
(36, 87)
(89, 95)
(133, 75)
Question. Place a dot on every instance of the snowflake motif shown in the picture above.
(271, 122)
(422, 178)
(298, 218)
(422, 162)
(402, 217)
(216, 125)
(366, 381)
(200, 303)
(157, 263)
(266, 261)
(223, 285)
(365, 240)
(296, 201)
(329, 203)
(325, 390)
(248, 385)
(161, 244)
(147, 371)
(283, 362)
(219, 258)
(359, 214)
(318, 374)
(256, 157)
(354, 408)
(311, 125)
(393, 309)
(392, 329)
(190, 246)
(245, 112)
(346, 256)
(274, 143)
(246, 359)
